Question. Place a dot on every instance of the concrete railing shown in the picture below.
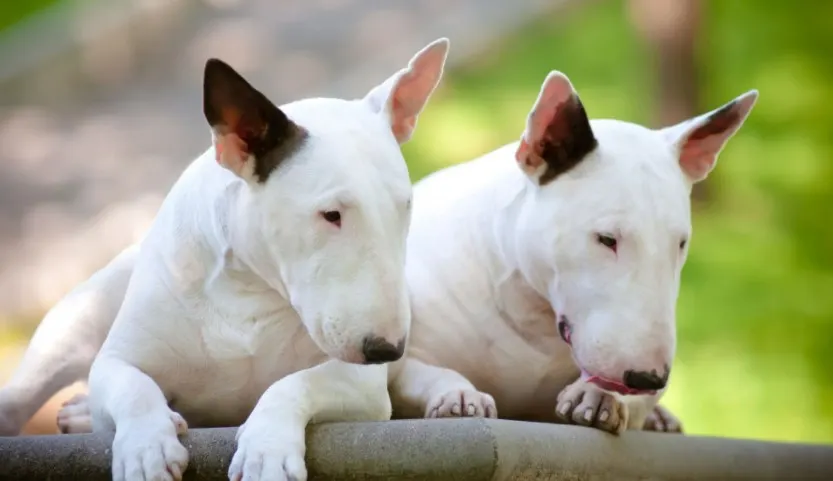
(467, 449)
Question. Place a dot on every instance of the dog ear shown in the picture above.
(251, 135)
(558, 134)
(402, 97)
(698, 141)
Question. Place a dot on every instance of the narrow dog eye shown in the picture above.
(332, 216)
(607, 241)
(682, 244)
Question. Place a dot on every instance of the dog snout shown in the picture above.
(646, 380)
(378, 350)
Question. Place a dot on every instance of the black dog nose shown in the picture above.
(645, 381)
(377, 350)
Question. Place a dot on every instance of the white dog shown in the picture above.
(544, 275)
(270, 288)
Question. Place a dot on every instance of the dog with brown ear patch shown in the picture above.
(553, 297)
(269, 291)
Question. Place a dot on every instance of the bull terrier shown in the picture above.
(544, 275)
(269, 290)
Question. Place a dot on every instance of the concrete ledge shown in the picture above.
(467, 449)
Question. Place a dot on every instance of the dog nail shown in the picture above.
(471, 410)
(564, 408)
(604, 415)
(588, 415)
(455, 409)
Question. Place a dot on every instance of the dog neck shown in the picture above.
(508, 242)
(521, 290)
(244, 257)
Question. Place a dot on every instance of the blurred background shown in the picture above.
(100, 111)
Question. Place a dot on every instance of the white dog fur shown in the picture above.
(492, 256)
(581, 222)
(269, 291)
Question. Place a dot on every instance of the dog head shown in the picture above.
(328, 190)
(608, 226)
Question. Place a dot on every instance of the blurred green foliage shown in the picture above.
(13, 11)
(755, 315)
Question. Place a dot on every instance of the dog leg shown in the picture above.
(420, 389)
(660, 419)
(271, 443)
(642, 409)
(586, 404)
(65, 343)
(74, 416)
(125, 399)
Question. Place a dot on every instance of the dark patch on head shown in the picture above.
(566, 141)
(718, 122)
(283, 149)
(232, 105)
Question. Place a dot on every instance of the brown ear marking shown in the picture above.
(232, 105)
(567, 140)
(718, 122)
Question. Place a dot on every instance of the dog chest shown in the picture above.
(237, 363)
(499, 335)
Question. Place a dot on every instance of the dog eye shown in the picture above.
(332, 216)
(682, 244)
(607, 241)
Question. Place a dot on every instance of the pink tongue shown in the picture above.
(615, 386)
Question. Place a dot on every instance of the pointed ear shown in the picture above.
(558, 134)
(402, 97)
(251, 135)
(698, 141)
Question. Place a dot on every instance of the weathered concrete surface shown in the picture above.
(468, 449)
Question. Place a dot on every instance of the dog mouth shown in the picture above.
(566, 333)
(614, 386)
(565, 330)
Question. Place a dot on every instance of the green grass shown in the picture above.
(755, 316)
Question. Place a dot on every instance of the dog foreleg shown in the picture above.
(420, 389)
(271, 443)
(125, 399)
(647, 414)
(65, 343)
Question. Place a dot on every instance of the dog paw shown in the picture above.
(462, 403)
(269, 452)
(586, 404)
(662, 420)
(147, 449)
(74, 416)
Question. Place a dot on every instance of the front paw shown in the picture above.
(662, 420)
(461, 403)
(147, 449)
(588, 405)
(74, 416)
(269, 452)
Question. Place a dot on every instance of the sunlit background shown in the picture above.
(100, 111)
